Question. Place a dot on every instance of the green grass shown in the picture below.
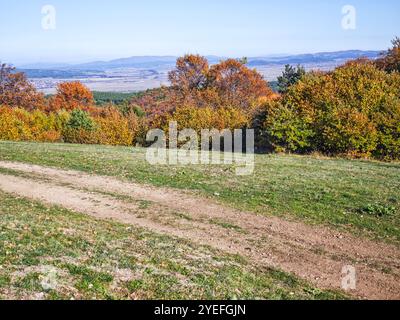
(362, 197)
(85, 258)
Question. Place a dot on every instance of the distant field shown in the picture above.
(360, 196)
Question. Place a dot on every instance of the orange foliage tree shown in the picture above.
(71, 96)
(195, 84)
(237, 85)
(17, 91)
(190, 73)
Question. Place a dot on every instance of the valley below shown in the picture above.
(141, 73)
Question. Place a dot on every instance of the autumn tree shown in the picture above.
(390, 60)
(190, 73)
(156, 103)
(17, 91)
(71, 96)
(228, 84)
(236, 84)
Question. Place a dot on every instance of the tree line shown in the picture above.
(353, 110)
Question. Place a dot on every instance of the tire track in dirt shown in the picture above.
(316, 254)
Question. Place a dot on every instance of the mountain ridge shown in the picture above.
(147, 62)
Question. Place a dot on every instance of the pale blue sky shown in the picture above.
(106, 29)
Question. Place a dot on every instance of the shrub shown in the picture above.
(106, 127)
(195, 118)
(114, 129)
(353, 110)
(347, 131)
(20, 125)
(80, 119)
(208, 118)
(11, 128)
(285, 130)
(80, 128)
(387, 122)
(137, 127)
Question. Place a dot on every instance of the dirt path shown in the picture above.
(316, 254)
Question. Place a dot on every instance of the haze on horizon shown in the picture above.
(104, 30)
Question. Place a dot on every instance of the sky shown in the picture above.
(88, 30)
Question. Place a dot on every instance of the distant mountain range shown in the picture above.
(155, 62)
(138, 62)
(321, 57)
